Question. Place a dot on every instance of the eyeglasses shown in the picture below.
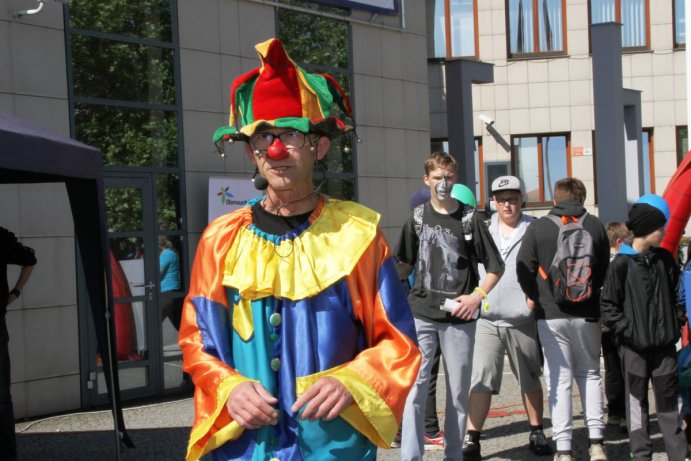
(507, 200)
(292, 139)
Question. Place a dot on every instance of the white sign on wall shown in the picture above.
(228, 194)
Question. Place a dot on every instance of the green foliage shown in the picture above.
(143, 19)
(132, 137)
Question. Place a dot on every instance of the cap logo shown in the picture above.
(503, 182)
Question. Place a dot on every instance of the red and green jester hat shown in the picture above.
(281, 94)
(284, 311)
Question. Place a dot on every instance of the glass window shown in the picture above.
(299, 32)
(151, 19)
(540, 161)
(452, 35)
(682, 143)
(648, 162)
(679, 23)
(131, 137)
(168, 201)
(111, 69)
(535, 26)
(632, 14)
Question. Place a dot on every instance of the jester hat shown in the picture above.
(281, 94)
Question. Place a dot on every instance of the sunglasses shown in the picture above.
(507, 200)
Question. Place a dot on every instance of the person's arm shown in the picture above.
(406, 251)
(486, 250)
(613, 296)
(24, 275)
(527, 263)
(468, 304)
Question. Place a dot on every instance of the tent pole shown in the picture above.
(116, 420)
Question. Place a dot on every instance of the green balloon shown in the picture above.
(463, 194)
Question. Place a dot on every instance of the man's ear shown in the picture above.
(323, 145)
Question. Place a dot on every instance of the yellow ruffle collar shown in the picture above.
(297, 268)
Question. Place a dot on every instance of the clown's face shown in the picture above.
(286, 167)
(440, 181)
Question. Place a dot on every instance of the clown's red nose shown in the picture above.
(277, 151)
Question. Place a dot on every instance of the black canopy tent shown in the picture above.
(30, 154)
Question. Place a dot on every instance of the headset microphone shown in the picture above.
(260, 183)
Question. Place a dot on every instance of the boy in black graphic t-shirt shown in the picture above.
(444, 240)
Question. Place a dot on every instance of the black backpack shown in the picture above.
(570, 275)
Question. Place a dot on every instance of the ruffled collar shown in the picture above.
(305, 260)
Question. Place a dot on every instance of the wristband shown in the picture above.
(15, 292)
(481, 291)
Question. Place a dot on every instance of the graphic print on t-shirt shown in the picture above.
(438, 259)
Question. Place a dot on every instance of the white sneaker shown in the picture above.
(562, 457)
(597, 452)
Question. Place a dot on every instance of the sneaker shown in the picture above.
(562, 457)
(615, 420)
(434, 441)
(539, 444)
(597, 452)
(396, 443)
(471, 450)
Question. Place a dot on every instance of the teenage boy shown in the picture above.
(639, 306)
(508, 327)
(569, 334)
(443, 240)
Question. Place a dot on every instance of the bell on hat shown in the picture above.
(281, 94)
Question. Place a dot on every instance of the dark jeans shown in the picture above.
(614, 378)
(171, 308)
(431, 420)
(8, 443)
(658, 366)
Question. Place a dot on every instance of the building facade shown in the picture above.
(541, 99)
(147, 83)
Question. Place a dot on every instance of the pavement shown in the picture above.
(159, 430)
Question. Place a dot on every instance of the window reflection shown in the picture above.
(168, 201)
(679, 23)
(132, 137)
(150, 19)
(632, 14)
(540, 162)
(124, 209)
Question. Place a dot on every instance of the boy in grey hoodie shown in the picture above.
(507, 326)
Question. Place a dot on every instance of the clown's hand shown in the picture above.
(250, 405)
(325, 399)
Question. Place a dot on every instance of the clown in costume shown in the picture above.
(295, 331)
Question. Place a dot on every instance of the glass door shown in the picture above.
(148, 277)
(133, 261)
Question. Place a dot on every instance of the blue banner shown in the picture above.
(379, 6)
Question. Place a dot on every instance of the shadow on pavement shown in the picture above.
(151, 445)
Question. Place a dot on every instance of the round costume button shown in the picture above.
(275, 319)
(275, 364)
(274, 459)
(274, 337)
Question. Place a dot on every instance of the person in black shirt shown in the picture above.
(444, 240)
(11, 252)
